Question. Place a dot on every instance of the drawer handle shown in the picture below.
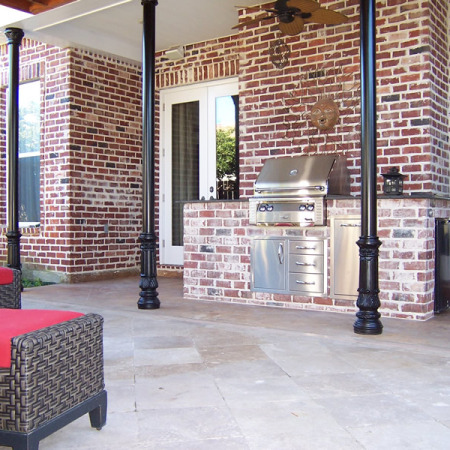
(304, 264)
(350, 224)
(304, 282)
(299, 247)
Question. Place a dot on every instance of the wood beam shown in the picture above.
(34, 6)
(44, 5)
(21, 5)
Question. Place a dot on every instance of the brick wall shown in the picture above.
(90, 164)
(204, 61)
(412, 88)
(106, 149)
(276, 103)
(439, 73)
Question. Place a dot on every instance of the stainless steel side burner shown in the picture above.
(290, 191)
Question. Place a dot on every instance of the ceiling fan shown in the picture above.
(293, 14)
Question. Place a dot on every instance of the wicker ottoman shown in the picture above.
(56, 376)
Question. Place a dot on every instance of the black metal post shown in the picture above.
(368, 300)
(14, 38)
(148, 297)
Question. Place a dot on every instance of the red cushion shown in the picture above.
(14, 322)
(6, 275)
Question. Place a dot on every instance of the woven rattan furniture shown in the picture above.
(56, 376)
(10, 293)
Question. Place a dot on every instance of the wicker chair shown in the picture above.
(10, 294)
(55, 377)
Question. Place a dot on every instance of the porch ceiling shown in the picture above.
(115, 26)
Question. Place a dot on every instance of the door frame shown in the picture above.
(205, 93)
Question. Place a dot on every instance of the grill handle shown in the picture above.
(296, 188)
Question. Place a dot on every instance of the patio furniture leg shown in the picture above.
(96, 407)
(97, 416)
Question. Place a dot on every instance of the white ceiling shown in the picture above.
(115, 26)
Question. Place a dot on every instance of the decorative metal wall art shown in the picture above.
(324, 114)
(321, 109)
(279, 54)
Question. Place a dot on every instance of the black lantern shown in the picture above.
(393, 182)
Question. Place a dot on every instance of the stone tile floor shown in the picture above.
(202, 375)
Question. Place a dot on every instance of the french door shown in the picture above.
(190, 120)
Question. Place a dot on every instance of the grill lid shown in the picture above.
(303, 175)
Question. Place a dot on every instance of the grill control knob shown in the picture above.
(269, 207)
(310, 207)
(302, 208)
(262, 207)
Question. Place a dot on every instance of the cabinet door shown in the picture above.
(345, 257)
(268, 265)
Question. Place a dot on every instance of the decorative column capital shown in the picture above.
(14, 35)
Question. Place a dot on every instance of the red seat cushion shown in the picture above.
(6, 275)
(14, 322)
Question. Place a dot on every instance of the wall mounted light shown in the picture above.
(175, 53)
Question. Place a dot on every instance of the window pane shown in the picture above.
(227, 147)
(29, 189)
(29, 152)
(29, 118)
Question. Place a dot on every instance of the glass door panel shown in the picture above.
(227, 144)
(185, 163)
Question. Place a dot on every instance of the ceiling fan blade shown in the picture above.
(292, 28)
(306, 6)
(251, 21)
(327, 17)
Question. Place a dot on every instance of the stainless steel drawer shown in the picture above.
(306, 282)
(306, 263)
(306, 247)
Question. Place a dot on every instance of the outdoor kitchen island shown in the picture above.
(218, 239)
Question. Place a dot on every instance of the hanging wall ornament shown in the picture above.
(279, 54)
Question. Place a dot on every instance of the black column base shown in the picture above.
(148, 297)
(147, 306)
(149, 302)
(368, 322)
(368, 302)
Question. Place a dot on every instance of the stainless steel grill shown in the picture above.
(290, 191)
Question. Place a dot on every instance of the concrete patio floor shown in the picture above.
(201, 375)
